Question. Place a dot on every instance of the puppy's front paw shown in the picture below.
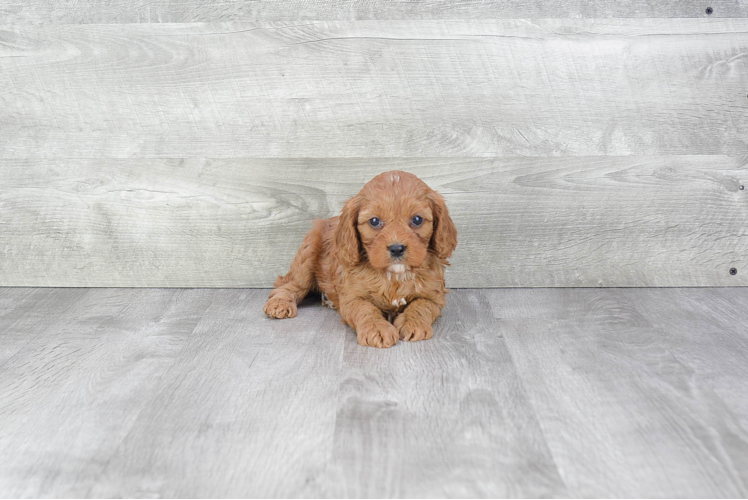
(277, 307)
(379, 334)
(412, 330)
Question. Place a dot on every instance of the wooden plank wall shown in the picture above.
(190, 143)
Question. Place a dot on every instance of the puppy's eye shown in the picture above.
(375, 222)
(417, 220)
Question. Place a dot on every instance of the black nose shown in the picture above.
(397, 250)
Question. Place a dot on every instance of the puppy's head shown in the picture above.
(394, 223)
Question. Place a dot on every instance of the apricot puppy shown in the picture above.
(380, 263)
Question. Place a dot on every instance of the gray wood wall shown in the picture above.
(190, 143)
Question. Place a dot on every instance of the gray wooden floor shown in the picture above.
(521, 392)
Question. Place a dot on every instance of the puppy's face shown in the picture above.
(395, 230)
(393, 223)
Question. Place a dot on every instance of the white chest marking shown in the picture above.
(327, 302)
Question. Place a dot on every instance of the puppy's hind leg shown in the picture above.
(291, 289)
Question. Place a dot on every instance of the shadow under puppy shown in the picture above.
(380, 263)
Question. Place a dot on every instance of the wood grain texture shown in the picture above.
(173, 11)
(15, 303)
(423, 88)
(27, 311)
(446, 417)
(715, 362)
(602, 221)
(627, 404)
(247, 409)
(79, 383)
(521, 393)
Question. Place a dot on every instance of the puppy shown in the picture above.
(380, 263)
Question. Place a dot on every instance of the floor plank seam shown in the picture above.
(539, 421)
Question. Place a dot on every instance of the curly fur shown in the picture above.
(382, 297)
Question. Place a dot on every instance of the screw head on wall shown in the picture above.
(733, 271)
(709, 11)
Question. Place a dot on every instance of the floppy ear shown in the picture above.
(346, 234)
(444, 237)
